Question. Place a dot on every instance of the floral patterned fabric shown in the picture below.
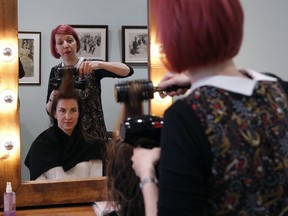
(248, 138)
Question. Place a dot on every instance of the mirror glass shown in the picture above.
(43, 16)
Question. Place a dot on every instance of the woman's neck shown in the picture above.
(71, 62)
(226, 68)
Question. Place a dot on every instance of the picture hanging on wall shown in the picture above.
(94, 41)
(29, 44)
(135, 45)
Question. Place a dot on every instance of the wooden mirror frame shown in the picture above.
(35, 193)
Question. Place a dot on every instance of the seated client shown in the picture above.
(61, 152)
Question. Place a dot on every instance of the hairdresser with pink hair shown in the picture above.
(65, 44)
(223, 146)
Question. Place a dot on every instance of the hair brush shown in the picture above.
(141, 89)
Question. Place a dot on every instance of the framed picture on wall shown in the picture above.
(135, 45)
(29, 44)
(94, 41)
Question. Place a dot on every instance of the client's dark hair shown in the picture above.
(66, 91)
(122, 183)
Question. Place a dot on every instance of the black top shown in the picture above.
(53, 148)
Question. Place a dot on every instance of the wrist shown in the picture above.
(148, 180)
(147, 171)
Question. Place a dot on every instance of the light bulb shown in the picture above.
(7, 97)
(7, 52)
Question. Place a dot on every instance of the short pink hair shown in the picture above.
(62, 29)
(198, 33)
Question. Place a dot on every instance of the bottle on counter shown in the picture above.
(9, 201)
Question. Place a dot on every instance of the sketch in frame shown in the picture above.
(29, 45)
(135, 45)
(93, 40)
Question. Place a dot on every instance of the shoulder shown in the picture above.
(56, 67)
(43, 137)
(180, 106)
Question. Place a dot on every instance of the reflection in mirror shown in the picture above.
(61, 151)
(33, 117)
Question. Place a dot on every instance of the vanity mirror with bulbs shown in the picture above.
(16, 101)
(26, 117)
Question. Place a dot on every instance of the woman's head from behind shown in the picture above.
(66, 106)
(61, 34)
(198, 33)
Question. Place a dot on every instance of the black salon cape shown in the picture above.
(53, 148)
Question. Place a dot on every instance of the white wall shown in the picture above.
(43, 16)
(265, 45)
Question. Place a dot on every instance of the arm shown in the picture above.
(144, 161)
(50, 92)
(184, 163)
(50, 101)
(117, 68)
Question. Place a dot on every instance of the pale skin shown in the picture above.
(66, 47)
(67, 114)
(144, 159)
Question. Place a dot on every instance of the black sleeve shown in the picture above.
(101, 73)
(21, 70)
(184, 164)
(51, 76)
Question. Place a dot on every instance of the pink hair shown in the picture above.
(198, 33)
(62, 29)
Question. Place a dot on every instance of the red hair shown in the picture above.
(62, 29)
(198, 33)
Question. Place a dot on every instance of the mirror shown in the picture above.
(39, 16)
(33, 117)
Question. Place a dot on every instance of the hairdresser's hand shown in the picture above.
(174, 79)
(52, 95)
(144, 161)
(87, 67)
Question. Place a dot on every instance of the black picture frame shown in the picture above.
(94, 41)
(135, 45)
(29, 45)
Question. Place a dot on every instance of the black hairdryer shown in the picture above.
(79, 83)
(142, 130)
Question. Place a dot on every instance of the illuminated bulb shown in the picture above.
(8, 52)
(7, 97)
(9, 145)
(6, 147)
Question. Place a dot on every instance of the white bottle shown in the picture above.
(9, 201)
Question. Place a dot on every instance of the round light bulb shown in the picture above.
(8, 52)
